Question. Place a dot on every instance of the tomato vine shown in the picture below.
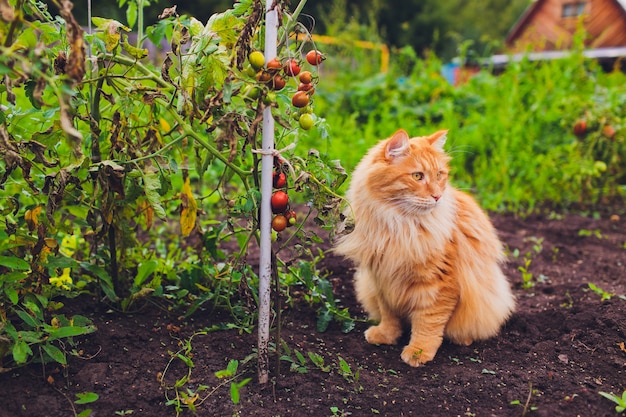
(133, 175)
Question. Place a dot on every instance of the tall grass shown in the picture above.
(510, 134)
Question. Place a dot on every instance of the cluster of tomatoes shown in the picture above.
(284, 216)
(273, 75)
(581, 128)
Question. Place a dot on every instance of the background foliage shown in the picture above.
(440, 26)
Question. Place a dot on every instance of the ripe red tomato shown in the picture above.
(300, 99)
(291, 67)
(279, 223)
(314, 57)
(278, 82)
(580, 127)
(305, 77)
(279, 179)
(273, 64)
(306, 87)
(608, 131)
(280, 201)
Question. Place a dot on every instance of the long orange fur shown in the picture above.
(426, 254)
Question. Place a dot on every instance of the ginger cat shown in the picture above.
(426, 254)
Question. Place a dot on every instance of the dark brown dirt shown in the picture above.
(562, 347)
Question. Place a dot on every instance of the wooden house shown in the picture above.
(549, 25)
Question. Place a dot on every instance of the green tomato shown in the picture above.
(257, 59)
(269, 98)
(306, 121)
(250, 92)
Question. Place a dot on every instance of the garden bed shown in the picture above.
(563, 346)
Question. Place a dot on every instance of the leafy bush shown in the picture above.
(139, 181)
(511, 134)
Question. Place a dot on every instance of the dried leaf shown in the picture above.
(6, 11)
(75, 67)
(168, 12)
(38, 149)
(60, 62)
(8, 85)
(165, 68)
(189, 209)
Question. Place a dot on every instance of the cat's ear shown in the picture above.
(397, 145)
(438, 139)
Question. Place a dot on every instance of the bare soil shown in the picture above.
(562, 347)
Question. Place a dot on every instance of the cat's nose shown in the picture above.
(436, 197)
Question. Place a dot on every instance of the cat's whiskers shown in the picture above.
(413, 205)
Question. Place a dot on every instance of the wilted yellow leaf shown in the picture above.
(189, 209)
(165, 126)
(147, 212)
(31, 217)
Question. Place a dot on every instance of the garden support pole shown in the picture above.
(267, 163)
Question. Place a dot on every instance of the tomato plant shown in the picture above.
(107, 160)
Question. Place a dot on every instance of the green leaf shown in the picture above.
(69, 331)
(347, 326)
(226, 25)
(28, 319)
(131, 14)
(106, 282)
(12, 294)
(234, 393)
(29, 89)
(21, 352)
(343, 365)
(86, 397)
(323, 320)
(144, 271)
(233, 364)
(55, 353)
(14, 263)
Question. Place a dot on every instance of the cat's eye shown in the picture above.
(418, 176)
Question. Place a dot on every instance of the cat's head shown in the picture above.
(410, 174)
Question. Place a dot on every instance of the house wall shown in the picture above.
(544, 29)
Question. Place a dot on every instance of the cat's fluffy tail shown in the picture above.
(485, 303)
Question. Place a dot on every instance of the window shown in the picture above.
(573, 9)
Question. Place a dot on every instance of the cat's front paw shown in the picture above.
(416, 356)
(382, 335)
